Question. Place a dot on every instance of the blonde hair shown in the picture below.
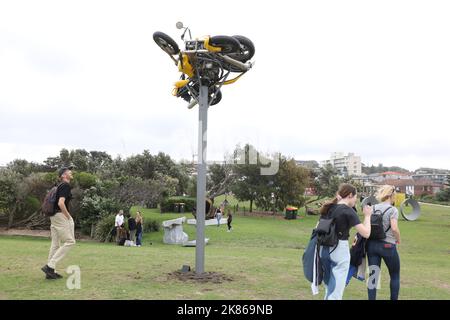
(139, 217)
(385, 192)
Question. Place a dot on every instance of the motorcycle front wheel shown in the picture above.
(166, 43)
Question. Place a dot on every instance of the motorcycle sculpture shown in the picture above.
(210, 60)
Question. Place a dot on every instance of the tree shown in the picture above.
(326, 182)
(291, 183)
(85, 180)
(24, 167)
(287, 186)
(220, 179)
(98, 162)
(9, 193)
(248, 181)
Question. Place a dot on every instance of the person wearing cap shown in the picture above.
(62, 225)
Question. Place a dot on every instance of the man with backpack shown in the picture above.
(383, 241)
(62, 225)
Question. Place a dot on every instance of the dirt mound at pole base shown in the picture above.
(206, 277)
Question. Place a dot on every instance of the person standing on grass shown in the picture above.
(336, 260)
(139, 228)
(218, 216)
(62, 227)
(229, 220)
(386, 248)
(132, 228)
(118, 223)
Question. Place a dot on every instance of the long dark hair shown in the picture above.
(344, 191)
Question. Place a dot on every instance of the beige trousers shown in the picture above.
(133, 235)
(63, 238)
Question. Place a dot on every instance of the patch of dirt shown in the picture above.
(213, 277)
(25, 232)
(36, 233)
(261, 214)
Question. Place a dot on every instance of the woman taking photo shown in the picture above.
(336, 260)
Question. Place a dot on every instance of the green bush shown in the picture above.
(427, 198)
(151, 226)
(51, 178)
(85, 180)
(168, 204)
(443, 195)
(104, 227)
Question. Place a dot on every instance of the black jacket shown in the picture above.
(358, 251)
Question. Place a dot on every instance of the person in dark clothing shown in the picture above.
(139, 228)
(132, 228)
(122, 235)
(229, 220)
(336, 260)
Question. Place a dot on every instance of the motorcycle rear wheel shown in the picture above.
(217, 98)
(166, 43)
(228, 44)
(247, 49)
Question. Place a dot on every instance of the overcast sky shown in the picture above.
(369, 77)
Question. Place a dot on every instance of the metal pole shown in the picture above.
(201, 180)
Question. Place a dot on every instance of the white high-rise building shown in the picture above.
(349, 164)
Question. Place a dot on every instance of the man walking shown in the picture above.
(62, 226)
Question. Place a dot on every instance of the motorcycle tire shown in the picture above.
(166, 43)
(247, 49)
(217, 98)
(228, 44)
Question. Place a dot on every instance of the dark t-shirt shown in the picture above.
(63, 191)
(131, 224)
(138, 227)
(345, 219)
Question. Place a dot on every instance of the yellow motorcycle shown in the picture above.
(210, 60)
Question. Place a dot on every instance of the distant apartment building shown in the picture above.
(437, 178)
(347, 164)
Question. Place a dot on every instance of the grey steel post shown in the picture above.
(201, 180)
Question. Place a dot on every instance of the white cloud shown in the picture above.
(364, 77)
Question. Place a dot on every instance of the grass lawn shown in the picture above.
(262, 255)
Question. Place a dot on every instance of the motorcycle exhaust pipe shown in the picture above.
(192, 104)
(243, 66)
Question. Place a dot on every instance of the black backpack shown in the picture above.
(326, 231)
(48, 205)
(377, 231)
